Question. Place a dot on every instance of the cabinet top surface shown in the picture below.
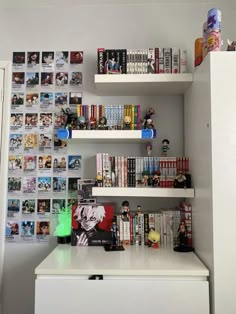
(134, 261)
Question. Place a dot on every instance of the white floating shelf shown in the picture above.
(108, 135)
(143, 84)
(143, 192)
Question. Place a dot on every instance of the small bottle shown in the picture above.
(198, 51)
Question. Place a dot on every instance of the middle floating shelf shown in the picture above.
(143, 192)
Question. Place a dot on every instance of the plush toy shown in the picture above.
(153, 239)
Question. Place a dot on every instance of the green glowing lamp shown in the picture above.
(63, 229)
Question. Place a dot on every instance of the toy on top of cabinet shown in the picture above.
(165, 147)
(147, 121)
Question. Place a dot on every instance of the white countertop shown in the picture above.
(134, 261)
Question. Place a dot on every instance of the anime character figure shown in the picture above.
(147, 121)
(231, 45)
(156, 179)
(93, 123)
(125, 210)
(165, 147)
(139, 210)
(145, 175)
(127, 122)
(153, 238)
(81, 123)
(180, 180)
(114, 231)
(107, 181)
(149, 148)
(99, 179)
(102, 124)
(182, 233)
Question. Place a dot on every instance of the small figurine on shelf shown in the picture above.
(149, 148)
(145, 175)
(156, 178)
(107, 181)
(127, 123)
(114, 233)
(231, 45)
(147, 121)
(81, 123)
(125, 210)
(165, 147)
(92, 123)
(180, 181)
(153, 238)
(99, 179)
(183, 239)
(102, 124)
(139, 210)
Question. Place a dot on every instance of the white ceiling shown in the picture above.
(75, 3)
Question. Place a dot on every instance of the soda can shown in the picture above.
(214, 40)
(198, 51)
(213, 20)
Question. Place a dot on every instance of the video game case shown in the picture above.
(167, 60)
(175, 60)
(100, 62)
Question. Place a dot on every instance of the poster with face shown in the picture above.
(18, 60)
(33, 58)
(13, 208)
(17, 101)
(12, 231)
(42, 230)
(28, 208)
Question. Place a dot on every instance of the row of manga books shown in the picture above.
(121, 171)
(134, 229)
(108, 117)
(141, 61)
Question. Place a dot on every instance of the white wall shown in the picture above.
(88, 27)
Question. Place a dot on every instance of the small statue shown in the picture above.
(180, 181)
(165, 147)
(182, 234)
(81, 123)
(93, 123)
(149, 148)
(127, 123)
(153, 238)
(99, 179)
(125, 210)
(156, 179)
(145, 175)
(102, 124)
(139, 211)
(107, 181)
(147, 121)
(231, 45)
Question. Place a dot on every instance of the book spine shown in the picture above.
(175, 60)
(167, 60)
(151, 60)
(161, 60)
(146, 228)
(183, 61)
(100, 53)
(156, 60)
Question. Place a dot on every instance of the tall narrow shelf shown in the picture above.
(143, 84)
(143, 192)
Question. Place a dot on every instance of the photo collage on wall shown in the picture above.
(46, 89)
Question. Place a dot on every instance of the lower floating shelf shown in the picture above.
(143, 192)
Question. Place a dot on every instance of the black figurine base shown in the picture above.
(111, 248)
(64, 239)
(183, 248)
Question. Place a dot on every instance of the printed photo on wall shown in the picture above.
(16, 122)
(57, 205)
(75, 80)
(18, 80)
(13, 208)
(59, 120)
(74, 164)
(62, 59)
(45, 121)
(75, 98)
(17, 101)
(59, 164)
(31, 121)
(32, 80)
(44, 184)
(29, 185)
(33, 58)
(85, 195)
(29, 165)
(31, 143)
(46, 101)
(42, 230)
(59, 185)
(45, 142)
(61, 79)
(73, 185)
(76, 57)
(43, 207)
(59, 145)
(61, 100)
(32, 101)
(27, 230)
(14, 185)
(28, 207)
(15, 164)
(47, 79)
(16, 143)
(12, 231)
(18, 59)
(45, 163)
(47, 60)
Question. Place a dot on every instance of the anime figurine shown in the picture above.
(149, 148)
(81, 123)
(102, 124)
(165, 147)
(125, 210)
(107, 181)
(145, 175)
(127, 123)
(114, 232)
(231, 45)
(147, 121)
(99, 179)
(156, 179)
(139, 210)
(183, 239)
(153, 238)
(180, 181)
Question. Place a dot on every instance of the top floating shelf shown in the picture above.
(143, 84)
